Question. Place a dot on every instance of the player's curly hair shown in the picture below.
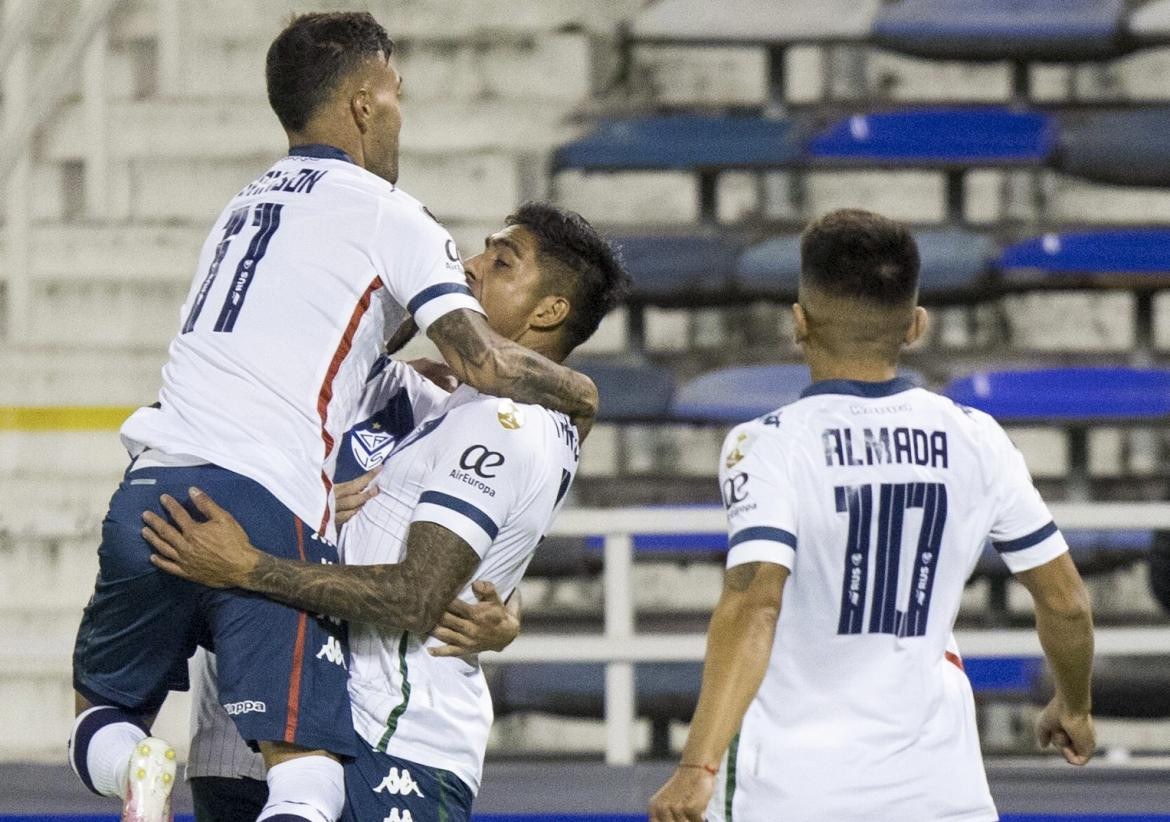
(580, 261)
(307, 60)
(860, 255)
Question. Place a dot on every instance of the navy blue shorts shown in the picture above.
(382, 787)
(282, 672)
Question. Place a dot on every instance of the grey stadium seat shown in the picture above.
(1121, 147)
(755, 21)
(954, 262)
(1025, 30)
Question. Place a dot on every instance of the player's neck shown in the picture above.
(325, 137)
(824, 367)
(543, 344)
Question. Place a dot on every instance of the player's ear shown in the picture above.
(799, 324)
(361, 107)
(918, 326)
(550, 312)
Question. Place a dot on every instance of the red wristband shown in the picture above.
(708, 768)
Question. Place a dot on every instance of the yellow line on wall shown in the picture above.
(63, 417)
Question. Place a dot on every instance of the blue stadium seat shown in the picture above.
(630, 392)
(775, 22)
(939, 138)
(1067, 394)
(682, 141)
(953, 260)
(678, 268)
(1031, 30)
(1109, 251)
(1122, 147)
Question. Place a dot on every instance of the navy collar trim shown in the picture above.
(858, 388)
(319, 151)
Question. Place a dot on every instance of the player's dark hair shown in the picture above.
(860, 255)
(313, 53)
(579, 260)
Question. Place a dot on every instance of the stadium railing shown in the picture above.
(619, 647)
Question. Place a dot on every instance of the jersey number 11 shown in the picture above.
(894, 500)
(266, 218)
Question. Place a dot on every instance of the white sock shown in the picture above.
(308, 787)
(100, 746)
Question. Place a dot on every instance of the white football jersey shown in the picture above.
(879, 497)
(495, 473)
(304, 274)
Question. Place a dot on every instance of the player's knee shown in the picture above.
(307, 787)
(100, 745)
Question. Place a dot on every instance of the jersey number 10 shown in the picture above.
(265, 217)
(894, 500)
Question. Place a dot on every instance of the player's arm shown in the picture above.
(739, 645)
(410, 595)
(1030, 544)
(1064, 621)
(496, 365)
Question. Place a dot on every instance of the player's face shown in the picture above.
(506, 279)
(380, 138)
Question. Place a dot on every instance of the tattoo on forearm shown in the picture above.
(500, 366)
(410, 595)
(740, 577)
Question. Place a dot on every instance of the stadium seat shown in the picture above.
(1149, 24)
(682, 141)
(1124, 687)
(678, 268)
(734, 395)
(666, 691)
(1078, 253)
(1066, 394)
(751, 21)
(937, 138)
(1121, 147)
(1026, 30)
(954, 262)
(630, 392)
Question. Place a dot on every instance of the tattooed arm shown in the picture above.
(496, 365)
(411, 595)
(739, 644)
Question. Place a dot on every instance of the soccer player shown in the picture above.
(468, 494)
(832, 689)
(303, 275)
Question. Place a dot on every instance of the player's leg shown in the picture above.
(282, 672)
(223, 799)
(384, 787)
(131, 649)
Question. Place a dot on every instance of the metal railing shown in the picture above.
(620, 647)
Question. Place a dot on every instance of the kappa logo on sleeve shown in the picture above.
(399, 784)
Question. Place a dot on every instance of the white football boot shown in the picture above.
(149, 783)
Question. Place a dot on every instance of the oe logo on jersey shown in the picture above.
(479, 458)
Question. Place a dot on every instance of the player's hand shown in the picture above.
(349, 497)
(684, 798)
(216, 552)
(488, 625)
(1070, 733)
(437, 372)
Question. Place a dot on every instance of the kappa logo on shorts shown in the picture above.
(248, 706)
(332, 651)
(397, 815)
(399, 784)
